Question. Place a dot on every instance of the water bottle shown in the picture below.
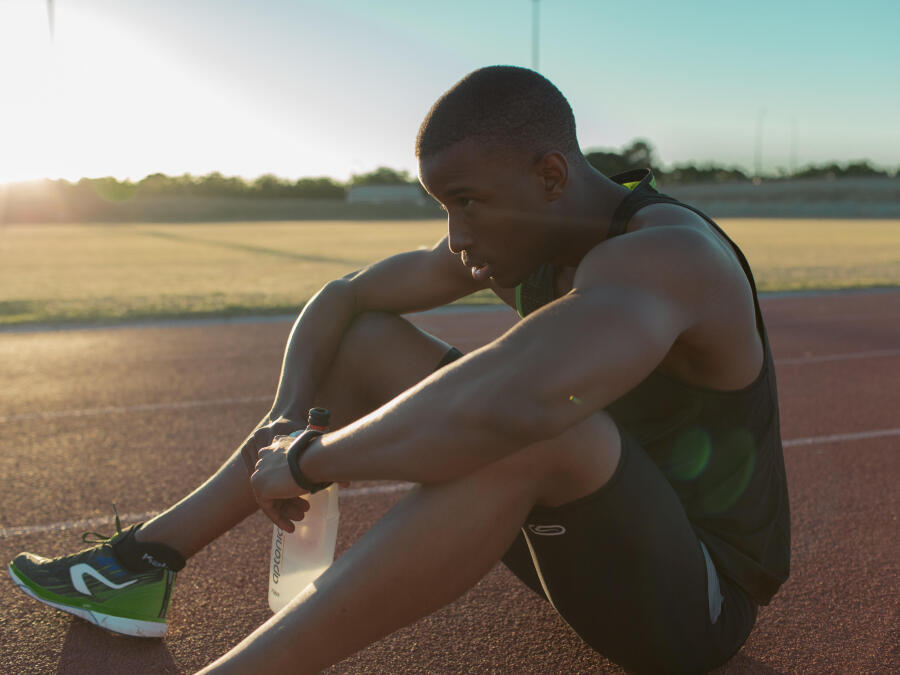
(299, 557)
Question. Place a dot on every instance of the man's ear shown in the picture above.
(553, 170)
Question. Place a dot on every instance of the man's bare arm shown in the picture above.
(405, 282)
(631, 300)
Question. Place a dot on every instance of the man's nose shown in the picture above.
(459, 236)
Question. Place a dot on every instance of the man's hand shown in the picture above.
(274, 487)
(264, 436)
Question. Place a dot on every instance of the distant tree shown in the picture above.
(215, 184)
(154, 184)
(109, 189)
(606, 162)
(639, 154)
(708, 173)
(858, 169)
(383, 175)
(270, 185)
(862, 169)
(319, 188)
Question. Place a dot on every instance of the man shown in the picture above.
(618, 448)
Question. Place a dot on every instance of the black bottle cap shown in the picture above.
(318, 417)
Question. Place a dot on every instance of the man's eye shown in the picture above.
(465, 201)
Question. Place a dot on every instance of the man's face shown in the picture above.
(497, 209)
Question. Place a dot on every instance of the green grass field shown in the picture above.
(66, 273)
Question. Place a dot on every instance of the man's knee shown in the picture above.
(370, 329)
(380, 355)
(575, 464)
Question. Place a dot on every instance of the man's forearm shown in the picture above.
(448, 425)
(311, 348)
(517, 390)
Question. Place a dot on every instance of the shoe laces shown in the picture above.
(97, 538)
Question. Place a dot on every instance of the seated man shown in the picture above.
(618, 449)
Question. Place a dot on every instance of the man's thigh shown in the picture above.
(624, 567)
(380, 356)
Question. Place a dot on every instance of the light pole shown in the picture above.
(535, 34)
(793, 146)
(758, 150)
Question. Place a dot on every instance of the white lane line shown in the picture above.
(208, 403)
(390, 488)
(839, 438)
(141, 407)
(875, 354)
(100, 521)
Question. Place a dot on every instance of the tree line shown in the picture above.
(638, 154)
(215, 184)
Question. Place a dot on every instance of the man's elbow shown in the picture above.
(338, 290)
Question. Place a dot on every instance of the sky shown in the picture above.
(332, 88)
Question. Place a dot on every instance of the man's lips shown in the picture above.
(481, 271)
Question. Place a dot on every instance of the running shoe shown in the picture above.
(95, 586)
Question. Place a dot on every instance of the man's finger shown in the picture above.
(250, 456)
(272, 511)
(293, 509)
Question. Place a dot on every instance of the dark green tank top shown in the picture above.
(720, 450)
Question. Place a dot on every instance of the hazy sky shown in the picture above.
(296, 88)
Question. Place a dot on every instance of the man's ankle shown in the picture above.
(141, 556)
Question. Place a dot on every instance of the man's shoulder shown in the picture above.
(662, 214)
(679, 262)
(668, 240)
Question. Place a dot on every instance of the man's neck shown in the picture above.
(591, 201)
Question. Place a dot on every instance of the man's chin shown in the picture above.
(505, 282)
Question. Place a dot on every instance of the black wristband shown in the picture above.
(295, 452)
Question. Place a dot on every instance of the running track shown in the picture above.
(140, 415)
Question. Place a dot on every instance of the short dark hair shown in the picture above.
(500, 106)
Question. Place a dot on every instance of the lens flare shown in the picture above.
(690, 453)
(734, 459)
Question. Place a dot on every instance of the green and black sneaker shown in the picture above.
(96, 586)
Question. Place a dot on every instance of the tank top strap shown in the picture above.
(643, 193)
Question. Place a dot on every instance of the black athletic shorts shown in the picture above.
(625, 569)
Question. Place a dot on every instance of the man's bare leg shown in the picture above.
(363, 376)
(219, 504)
(433, 546)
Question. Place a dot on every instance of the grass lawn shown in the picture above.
(99, 272)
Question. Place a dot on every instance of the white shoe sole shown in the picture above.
(116, 624)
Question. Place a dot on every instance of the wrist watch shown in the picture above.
(295, 452)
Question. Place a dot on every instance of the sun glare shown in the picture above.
(98, 99)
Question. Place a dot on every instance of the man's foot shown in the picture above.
(94, 585)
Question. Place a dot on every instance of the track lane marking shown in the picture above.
(140, 407)
(824, 358)
(391, 488)
(99, 521)
(208, 403)
(838, 438)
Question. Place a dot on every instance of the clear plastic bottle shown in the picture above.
(299, 557)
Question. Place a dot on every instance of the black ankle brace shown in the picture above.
(139, 556)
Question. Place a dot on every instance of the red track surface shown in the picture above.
(138, 416)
